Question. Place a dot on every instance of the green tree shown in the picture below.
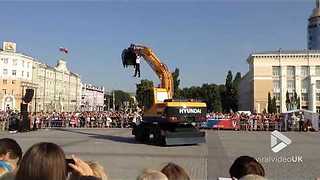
(236, 92)
(209, 93)
(142, 87)
(274, 105)
(176, 83)
(217, 106)
(120, 98)
(269, 103)
(228, 93)
(288, 101)
(296, 100)
(222, 92)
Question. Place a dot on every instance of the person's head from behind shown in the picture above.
(97, 169)
(42, 161)
(175, 172)
(245, 165)
(10, 151)
(152, 175)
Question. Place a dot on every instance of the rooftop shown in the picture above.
(305, 51)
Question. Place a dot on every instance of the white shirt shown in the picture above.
(138, 60)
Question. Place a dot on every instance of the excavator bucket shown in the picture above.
(128, 57)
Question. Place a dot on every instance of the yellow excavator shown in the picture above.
(165, 121)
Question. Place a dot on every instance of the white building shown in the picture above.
(55, 88)
(92, 98)
(15, 76)
(58, 89)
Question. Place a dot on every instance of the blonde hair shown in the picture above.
(149, 174)
(98, 170)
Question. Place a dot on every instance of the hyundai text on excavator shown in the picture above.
(165, 121)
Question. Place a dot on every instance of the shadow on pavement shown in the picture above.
(121, 139)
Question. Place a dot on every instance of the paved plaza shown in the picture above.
(123, 158)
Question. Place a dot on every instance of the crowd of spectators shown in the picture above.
(103, 119)
(47, 161)
(253, 122)
(126, 119)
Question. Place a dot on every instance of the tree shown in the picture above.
(236, 91)
(217, 106)
(288, 101)
(269, 103)
(176, 83)
(142, 87)
(296, 100)
(120, 98)
(222, 92)
(209, 93)
(274, 105)
(228, 93)
(293, 101)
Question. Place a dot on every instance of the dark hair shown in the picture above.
(245, 165)
(175, 172)
(10, 146)
(42, 161)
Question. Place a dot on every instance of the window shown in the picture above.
(290, 71)
(317, 96)
(5, 60)
(14, 62)
(28, 64)
(5, 81)
(22, 63)
(276, 71)
(5, 71)
(304, 96)
(276, 85)
(14, 72)
(27, 74)
(317, 70)
(290, 84)
(304, 84)
(22, 73)
(304, 71)
(317, 84)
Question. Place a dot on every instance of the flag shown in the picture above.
(64, 50)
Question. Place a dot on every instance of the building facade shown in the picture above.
(15, 76)
(314, 28)
(93, 98)
(279, 73)
(55, 88)
(58, 89)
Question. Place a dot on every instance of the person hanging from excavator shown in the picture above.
(137, 66)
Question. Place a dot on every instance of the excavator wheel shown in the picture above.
(158, 138)
(141, 133)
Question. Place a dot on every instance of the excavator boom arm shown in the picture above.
(159, 68)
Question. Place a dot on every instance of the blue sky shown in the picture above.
(203, 39)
